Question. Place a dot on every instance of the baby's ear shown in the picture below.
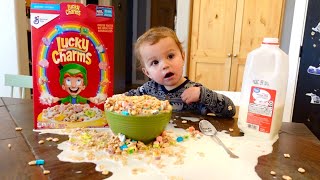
(144, 70)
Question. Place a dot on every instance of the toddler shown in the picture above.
(162, 58)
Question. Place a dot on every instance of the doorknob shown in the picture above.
(119, 6)
(229, 55)
(235, 55)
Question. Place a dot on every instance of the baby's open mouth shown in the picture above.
(168, 75)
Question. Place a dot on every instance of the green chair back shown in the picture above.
(21, 81)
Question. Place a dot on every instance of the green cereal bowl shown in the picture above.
(139, 128)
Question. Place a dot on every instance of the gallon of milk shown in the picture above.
(263, 90)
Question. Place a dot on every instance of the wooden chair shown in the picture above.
(21, 81)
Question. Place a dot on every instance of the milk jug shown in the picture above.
(263, 90)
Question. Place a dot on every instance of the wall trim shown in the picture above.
(298, 23)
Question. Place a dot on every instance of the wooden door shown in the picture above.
(254, 21)
(212, 30)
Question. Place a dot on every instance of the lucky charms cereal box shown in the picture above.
(72, 59)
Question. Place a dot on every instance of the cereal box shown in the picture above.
(72, 59)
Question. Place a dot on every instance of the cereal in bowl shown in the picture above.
(136, 105)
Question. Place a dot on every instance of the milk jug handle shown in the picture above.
(278, 64)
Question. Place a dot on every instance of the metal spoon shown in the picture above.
(208, 129)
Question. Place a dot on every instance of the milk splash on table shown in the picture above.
(203, 159)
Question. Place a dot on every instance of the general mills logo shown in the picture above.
(36, 20)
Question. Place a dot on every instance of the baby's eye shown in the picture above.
(68, 82)
(170, 56)
(155, 62)
(78, 83)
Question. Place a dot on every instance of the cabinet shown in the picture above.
(222, 32)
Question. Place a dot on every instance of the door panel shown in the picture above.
(211, 42)
(255, 20)
(239, 75)
(224, 32)
(207, 74)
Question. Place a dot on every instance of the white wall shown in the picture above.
(13, 46)
(182, 26)
(300, 10)
(287, 25)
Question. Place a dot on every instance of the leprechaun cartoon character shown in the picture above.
(73, 79)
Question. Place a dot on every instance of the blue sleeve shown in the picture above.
(142, 90)
(135, 92)
(216, 103)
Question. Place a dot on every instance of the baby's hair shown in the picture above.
(153, 36)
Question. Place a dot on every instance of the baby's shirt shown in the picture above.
(210, 101)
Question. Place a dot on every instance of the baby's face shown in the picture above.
(163, 62)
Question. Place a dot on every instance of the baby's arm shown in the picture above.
(218, 104)
(146, 88)
(136, 92)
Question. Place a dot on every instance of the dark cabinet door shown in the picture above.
(307, 99)
(163, 13)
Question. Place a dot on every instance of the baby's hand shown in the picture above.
(191, 95)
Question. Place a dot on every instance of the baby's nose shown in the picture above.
(165, 65)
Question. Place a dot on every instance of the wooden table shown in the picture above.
(295, 139)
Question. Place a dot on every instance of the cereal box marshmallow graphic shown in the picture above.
(72, 61)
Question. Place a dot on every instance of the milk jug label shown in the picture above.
(260, 110)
